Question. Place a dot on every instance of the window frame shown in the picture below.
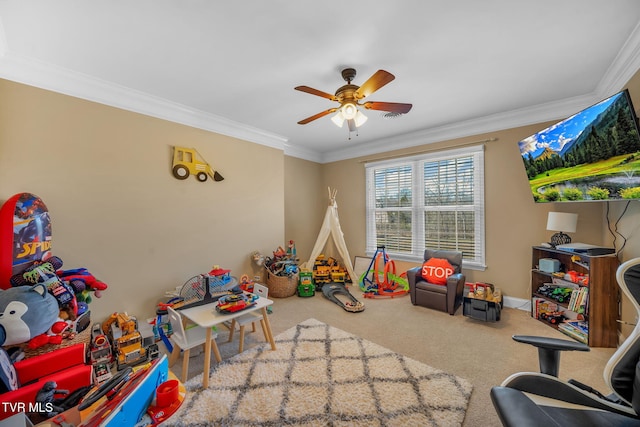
(418, 207)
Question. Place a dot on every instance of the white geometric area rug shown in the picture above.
(323, 376)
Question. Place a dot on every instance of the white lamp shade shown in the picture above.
(562, 221)
(338, 119)
(360, 119)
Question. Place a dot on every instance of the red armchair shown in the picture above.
(66, 366)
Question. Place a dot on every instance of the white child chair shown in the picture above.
(184, 339)
(253, 317)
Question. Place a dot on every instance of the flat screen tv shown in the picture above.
(592, 155)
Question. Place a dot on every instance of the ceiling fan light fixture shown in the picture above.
(360, 119)
(349, 95)
(338, 119)
(349, 110)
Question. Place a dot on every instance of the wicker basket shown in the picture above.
(281, 286)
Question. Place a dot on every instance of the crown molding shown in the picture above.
(492, 123)
(623, 68)
(57, 79)
(47, 76)
(302, 153)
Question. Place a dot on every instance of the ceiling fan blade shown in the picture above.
(317, 116)
(375, 82)
(394, 107)
(317, 92)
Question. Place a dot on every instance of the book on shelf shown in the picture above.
(578, 300)
(579, 325)
(541, 305)
(574, 332)
(562, 283)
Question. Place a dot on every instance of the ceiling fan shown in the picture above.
(349, 97)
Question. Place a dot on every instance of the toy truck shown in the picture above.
(306, 288)
(328, 271)
(338, 274)
(100, 355)
(187, 161)
(132, 343)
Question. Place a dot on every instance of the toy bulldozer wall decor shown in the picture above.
(187, 161)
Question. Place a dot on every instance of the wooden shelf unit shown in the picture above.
(603, 305)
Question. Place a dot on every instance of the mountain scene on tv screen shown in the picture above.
(593, 155)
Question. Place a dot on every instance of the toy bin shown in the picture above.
(281, 286)
(482, 301)
(487, 311)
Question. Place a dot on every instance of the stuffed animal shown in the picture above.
(45, 272)
(25, 313)
(258, 258)
(82, 282)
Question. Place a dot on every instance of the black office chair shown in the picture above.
(542, 399)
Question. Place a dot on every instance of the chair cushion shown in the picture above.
(436, 271)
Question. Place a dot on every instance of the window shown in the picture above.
(433, 200)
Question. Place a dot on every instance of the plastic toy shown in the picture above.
(546, 289)
(330, 292)
(122, 400)
(45, 272)
(291, 249)
(282, 264)
(306, 287)
(246, 284)
(132, 343)
(575, 277)
(25, 235)
(46, 398)
(64, 366)
(207, 288)
(100, 354)
(553, 317)
(384, 282)
(25, 313)
(561, 294)
(328, 271)
(169, 397)
(234, 303)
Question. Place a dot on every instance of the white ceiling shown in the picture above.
(467, 66)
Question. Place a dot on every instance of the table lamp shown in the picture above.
(561, 222)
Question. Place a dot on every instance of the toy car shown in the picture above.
(553, 317)
(547, 289)
(561, 294)
(306, 287)
(233, 303)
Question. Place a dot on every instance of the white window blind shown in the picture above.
(434, 200)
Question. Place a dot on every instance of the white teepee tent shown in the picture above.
(331, 225)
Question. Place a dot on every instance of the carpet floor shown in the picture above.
(321, 375)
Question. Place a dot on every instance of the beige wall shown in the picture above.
(105, 176)
(305, 203)
(513, 221)
(627, 217)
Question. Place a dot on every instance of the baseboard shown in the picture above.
(519, 303)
